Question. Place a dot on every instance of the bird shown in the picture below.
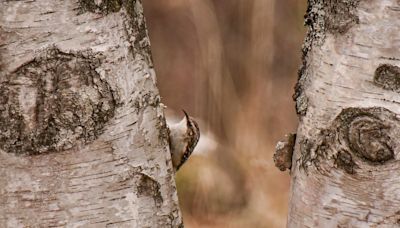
(183, 138)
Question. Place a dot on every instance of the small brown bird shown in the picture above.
(183, 138)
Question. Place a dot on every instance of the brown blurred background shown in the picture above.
(232, 64)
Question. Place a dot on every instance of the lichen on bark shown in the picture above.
(330, 16)
(322, 17)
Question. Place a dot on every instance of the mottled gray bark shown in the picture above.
(346, 163)
(83, 139)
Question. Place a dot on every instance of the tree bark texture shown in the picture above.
(83, 136)
(346, 169)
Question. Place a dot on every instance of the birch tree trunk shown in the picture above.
(83, 137)
(346, 169)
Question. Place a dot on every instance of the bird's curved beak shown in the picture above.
(187, 116)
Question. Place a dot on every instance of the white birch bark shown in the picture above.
(83, 139)
(346, 169)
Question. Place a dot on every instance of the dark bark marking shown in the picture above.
(330, 16)
(299, 95)
(314, 152)
(69, 103)
(149, 187)
(367, 133)
(143, 100)
(137, 28)
(388, 77)
(171, 217)
(146, 186)
(391, 219)
(103, 6)
(356, 135)
(344, 160)
(340, 15)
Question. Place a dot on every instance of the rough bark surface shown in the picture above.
(346, 164)
(83, 139)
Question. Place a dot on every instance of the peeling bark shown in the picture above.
(83, 138)
(284, 152)
(345, 167)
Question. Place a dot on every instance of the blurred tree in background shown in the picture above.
(233, 65)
